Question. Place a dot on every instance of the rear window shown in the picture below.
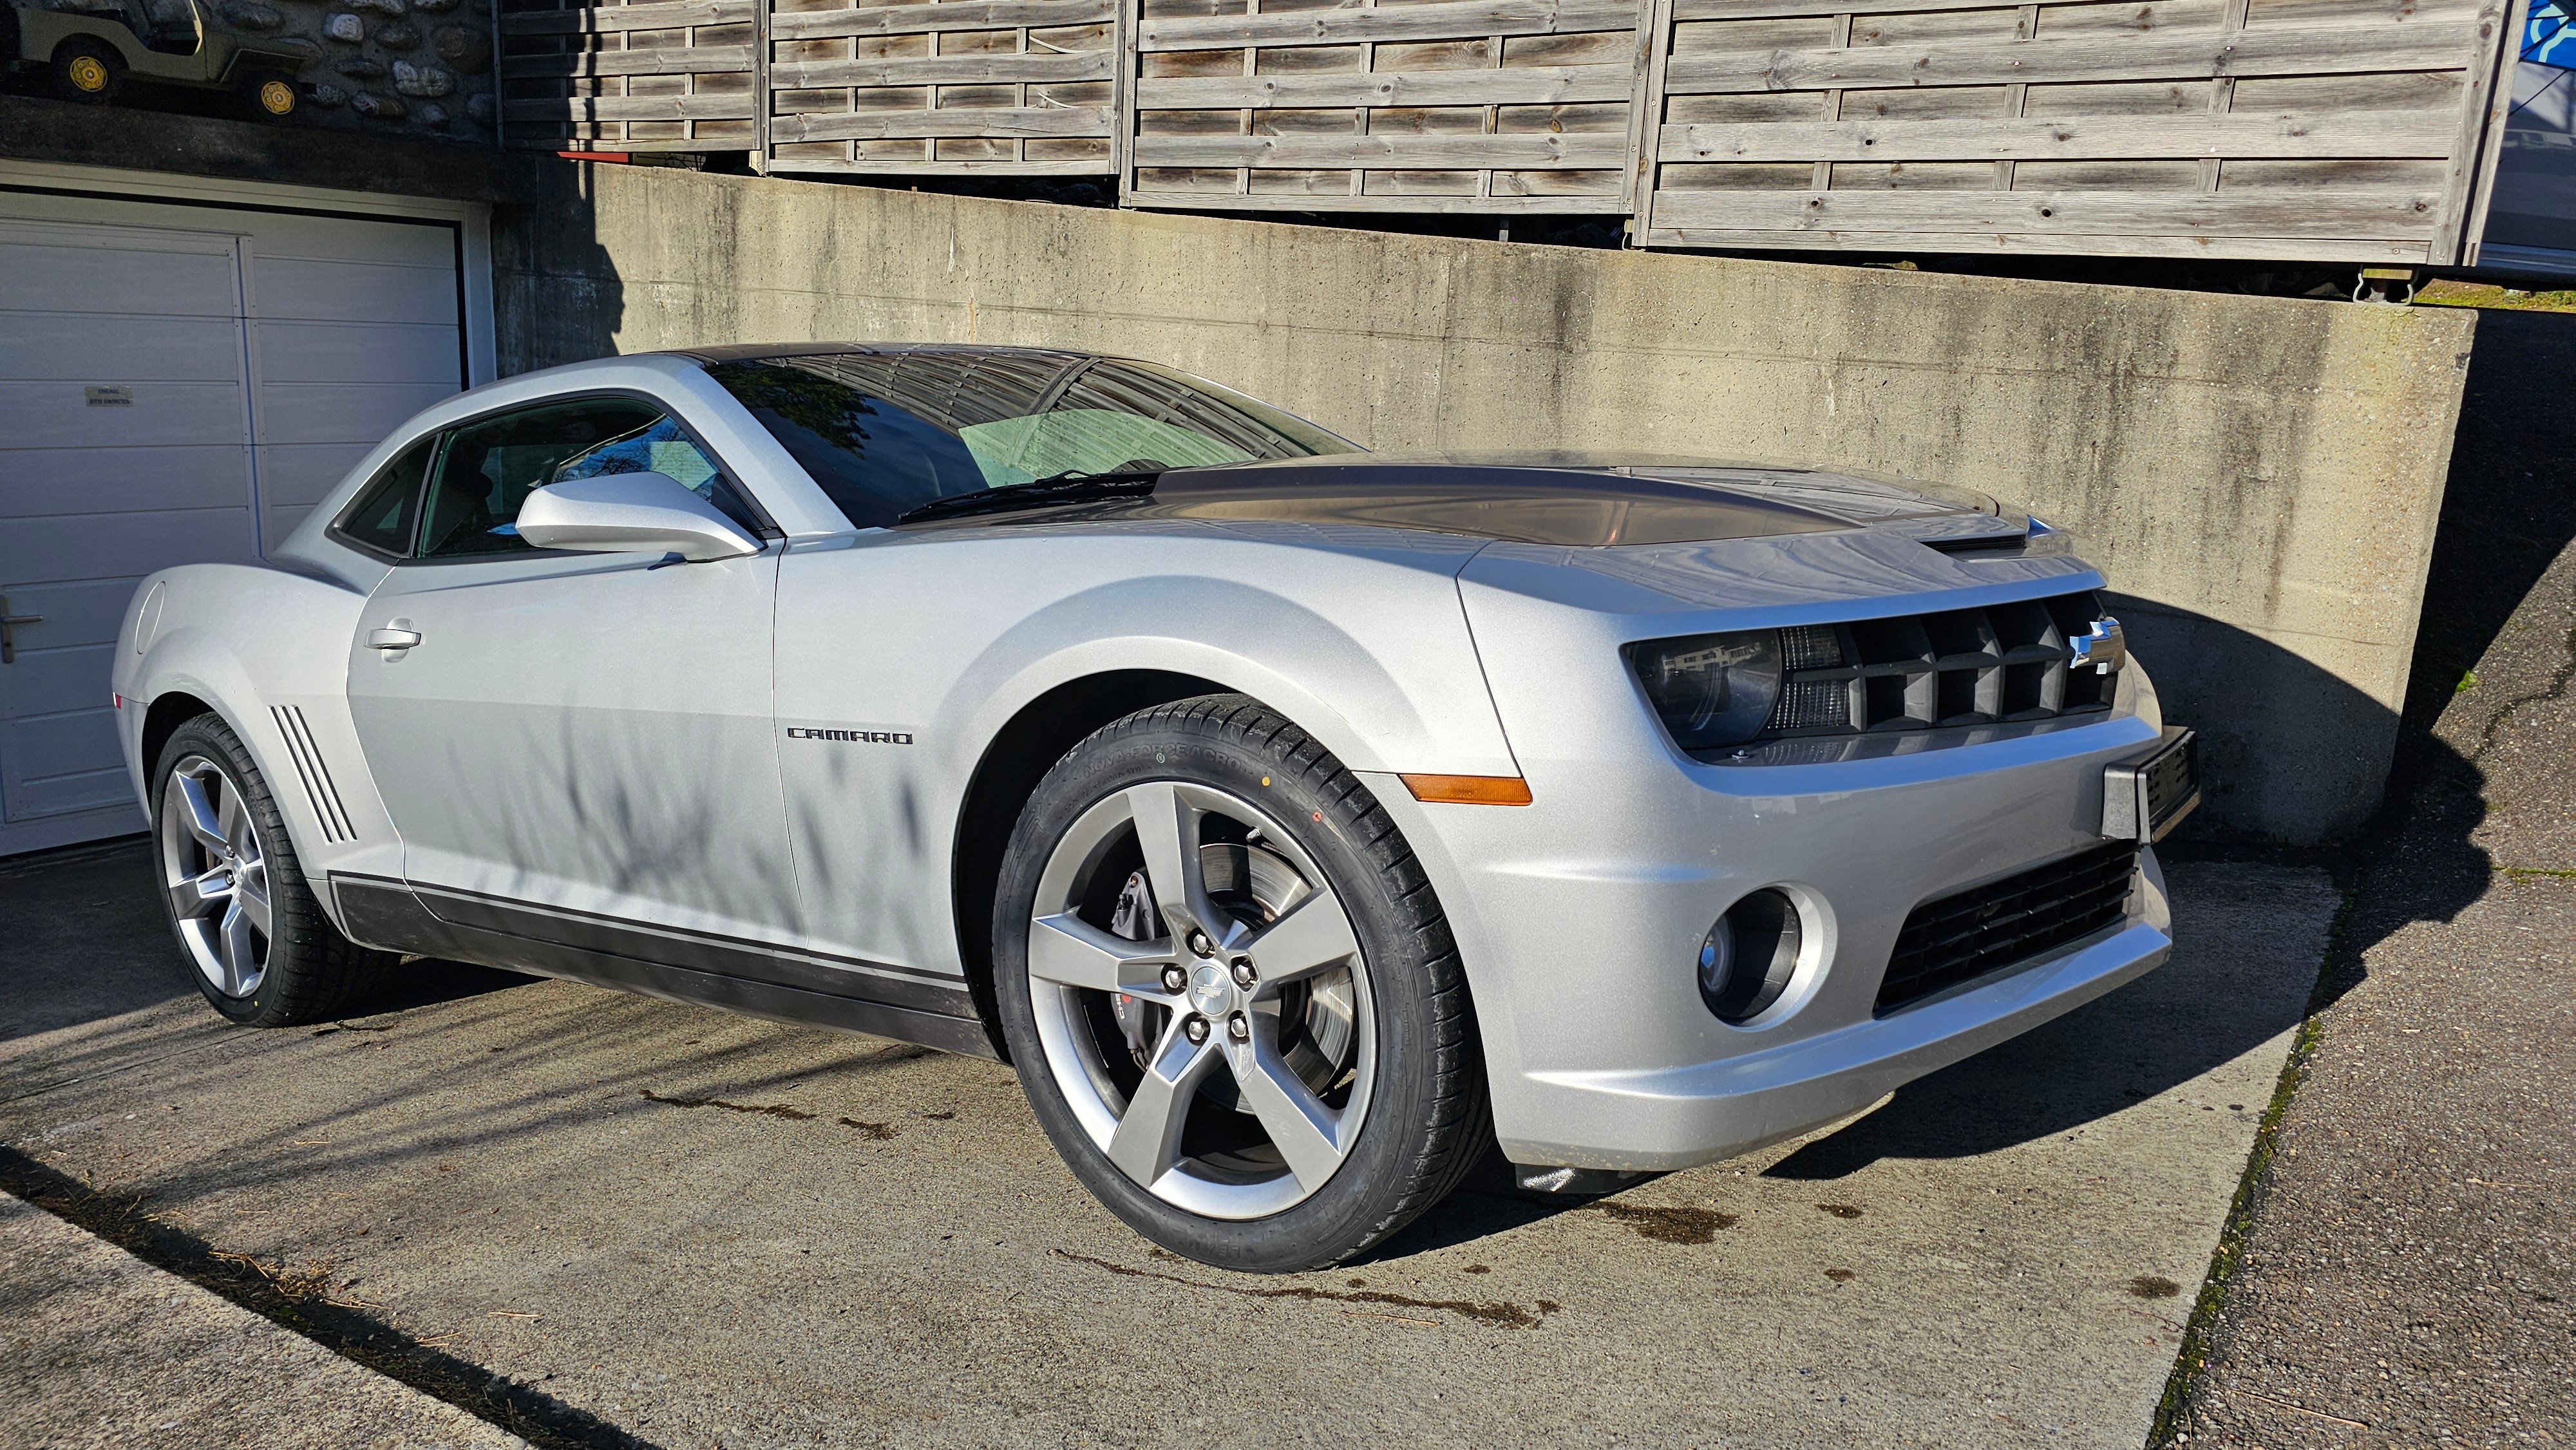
(380, 518)
(886, 433)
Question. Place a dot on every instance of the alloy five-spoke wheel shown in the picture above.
(1209, 1020)
(216, 872)
(255, 939)
(1231, 994)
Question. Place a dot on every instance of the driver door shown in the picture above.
(574, 747)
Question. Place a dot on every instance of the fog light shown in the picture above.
(1749, 956)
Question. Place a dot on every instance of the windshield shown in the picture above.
(885, 433)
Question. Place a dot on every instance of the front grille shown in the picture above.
(2005, 662)
(1961, 937)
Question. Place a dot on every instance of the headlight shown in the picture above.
(1711, 689)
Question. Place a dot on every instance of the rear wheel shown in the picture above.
(269, 96)
(1229, 992)
(255, 939)
(87, 70)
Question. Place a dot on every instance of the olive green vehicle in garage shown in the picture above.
(91, 47)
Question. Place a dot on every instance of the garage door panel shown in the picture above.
(162, 281)
(343, 412)
(303, 474)
(56, 684)
(123, 480)
(250, 399)
(61, 795)
(112, 348)
(46, 550)
(327, 352)
(332, 239)
(339, 290)
(59, 415)
(285, 519)
(81, 614)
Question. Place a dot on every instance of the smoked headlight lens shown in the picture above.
(1711, 689)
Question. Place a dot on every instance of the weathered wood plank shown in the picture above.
(690, 60)
(1407, 152)
(971, 121)
(2090, 138)
(1387, 23)
(2242, 248)
(603, 19)
(2482, 115)
(923, 19)
(939, 168)
(987, 69)
(2306, 50)
(1527, 85)
(1607, 203)
(2390, 216)
(579, 110)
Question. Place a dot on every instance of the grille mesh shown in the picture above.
(1965, 936)
(1919, 671)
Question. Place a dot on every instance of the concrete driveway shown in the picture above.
(661, 1224)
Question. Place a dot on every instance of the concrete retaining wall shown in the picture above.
(2259, 478)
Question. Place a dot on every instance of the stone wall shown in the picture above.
(418, 68)
(2259, 478)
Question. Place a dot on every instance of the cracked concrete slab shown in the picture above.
(2409, 1270)
(98, 1348)
(706, 1230)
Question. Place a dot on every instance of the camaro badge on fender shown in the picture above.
(860, 737)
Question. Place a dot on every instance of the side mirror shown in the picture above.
(619, 513)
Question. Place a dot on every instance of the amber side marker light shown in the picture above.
(1470, 790)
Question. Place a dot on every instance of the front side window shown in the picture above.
(886, 433)
(488, 469)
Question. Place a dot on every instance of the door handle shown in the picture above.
(392, 638)
(8, 621)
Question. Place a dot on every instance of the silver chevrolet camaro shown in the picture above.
(1298, 821)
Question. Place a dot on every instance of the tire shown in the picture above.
(87, 71)
(269, 96)
(220, 844)
(1352, 1098)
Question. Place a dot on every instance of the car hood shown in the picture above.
(1577, 499)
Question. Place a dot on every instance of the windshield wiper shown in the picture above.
(1071, 486)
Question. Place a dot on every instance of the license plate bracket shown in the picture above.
(2145, 796)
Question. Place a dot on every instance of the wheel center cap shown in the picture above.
(1211, 991)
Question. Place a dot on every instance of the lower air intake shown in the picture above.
(1963, 937)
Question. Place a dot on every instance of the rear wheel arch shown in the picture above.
(164, 717)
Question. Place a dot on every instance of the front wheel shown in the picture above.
(88, 70)
(268, 96)
(1230, 994)
(258, 944)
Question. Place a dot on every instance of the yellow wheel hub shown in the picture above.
(276, 97)
(87, 73)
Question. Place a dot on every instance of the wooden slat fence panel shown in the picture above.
(946, 87)
(1387, 105)
(665, 75)
(2320, 130)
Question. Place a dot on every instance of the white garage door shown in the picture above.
(178, 383)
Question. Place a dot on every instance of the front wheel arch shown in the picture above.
(1017, 757)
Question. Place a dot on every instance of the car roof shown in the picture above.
(764, 351)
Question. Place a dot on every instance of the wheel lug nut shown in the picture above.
(1175, 980)
(1244, 976)
(1200, 946)
(1195, 1028)
(1239, 1027)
